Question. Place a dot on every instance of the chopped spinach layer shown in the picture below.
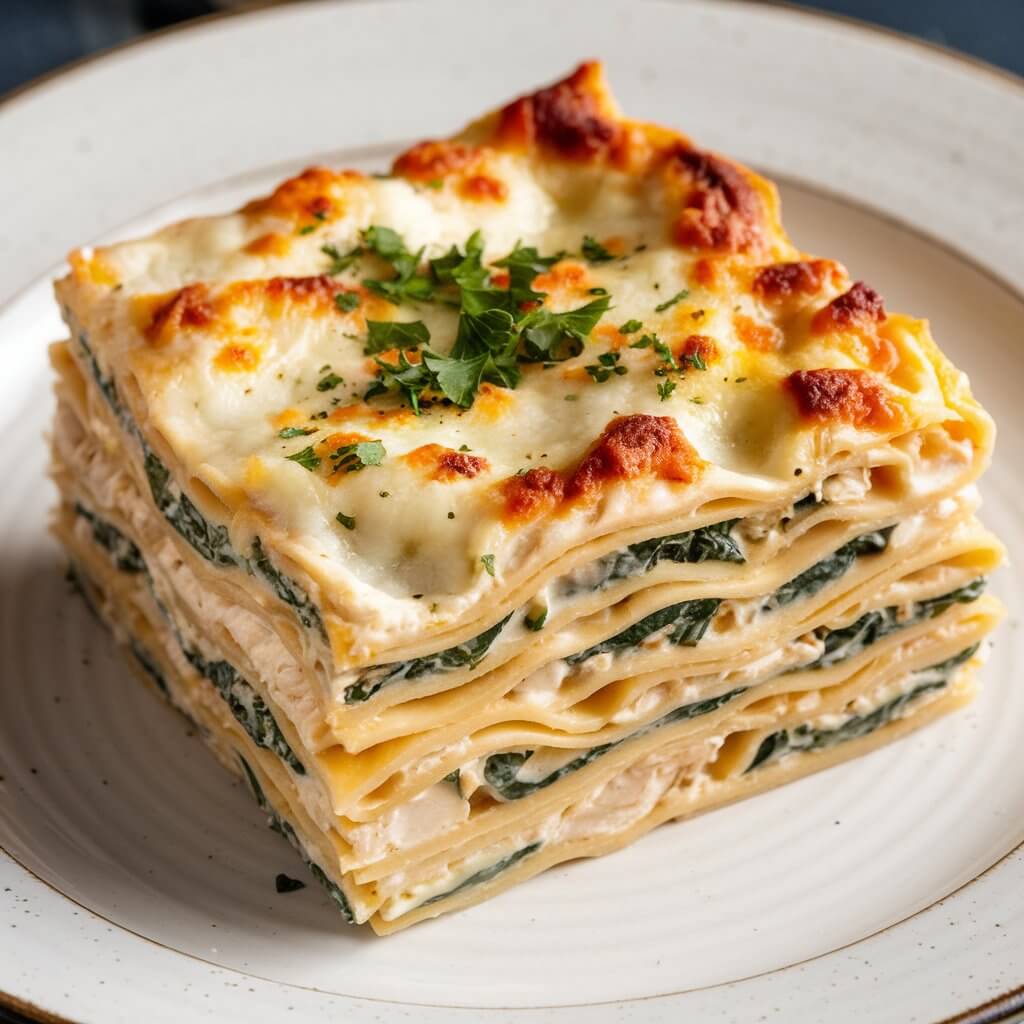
(709, 543)
(829, 569)
(486, 874)
(805, 737)
(142, 656)
(685, 623)
(124, 553)
(286, 589)
(501, 770)
(210, 540)
(468, 654)
(248, 707)
(282, 828)
(871, 627)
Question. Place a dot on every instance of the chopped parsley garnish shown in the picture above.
(597, 291)
(488, 561)
(678, 297)
(350, 458)
(346, 301)
(463, 269)
(594, 251)
(606, 365)
(545, 333)
(696, 360)
(307, 459)
(307, 229)
(523, 264)
(340, 263)
(498, 327)
(663, 351)
(665, 388)
(630, 327)
(288, 432)
(407, 285)
(697, 400)
(387, 334)
(349, 522)
(329, 382)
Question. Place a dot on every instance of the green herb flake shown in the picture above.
(307, 229)
(345, 302)
(289, 432)
(349, 522)
(350, 458)
(556, 336)
(536, 620)
(307, 459)
(329, 382)
(740, 380)
(606, 366)
(665, 388)
(488, 563)
(678, 297)
(595, 252)
(630, 327)
(339, 262)
(697, 400)
(388, 334)
(407, 285)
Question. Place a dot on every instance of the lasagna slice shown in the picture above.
(487, 513)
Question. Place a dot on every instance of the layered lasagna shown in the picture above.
(486, 513)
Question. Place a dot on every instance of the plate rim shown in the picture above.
(999, 1008)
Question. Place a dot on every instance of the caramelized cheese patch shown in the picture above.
(237, 357)
(857, 397)
(445, 464)
(857, 309)
(533, 493)
(271, 244)
(434, 161)
(317, 194)
(721, 210)
(482, 188)
(758, 336)
(184, 309)
(779, 282)
(698, 346)
(631, 447)
(573, 118)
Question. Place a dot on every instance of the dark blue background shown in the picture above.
(39, 35)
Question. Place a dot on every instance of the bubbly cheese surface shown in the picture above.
(727, 363)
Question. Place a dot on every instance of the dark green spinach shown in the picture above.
(805, 737)
(468, 654)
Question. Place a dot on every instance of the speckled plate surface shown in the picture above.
(139, 880)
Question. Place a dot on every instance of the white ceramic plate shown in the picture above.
(139, 885)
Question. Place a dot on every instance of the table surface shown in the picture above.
(38, 36)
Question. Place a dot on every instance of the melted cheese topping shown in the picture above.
(222, 332)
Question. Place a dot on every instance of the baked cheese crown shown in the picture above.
(546, 449)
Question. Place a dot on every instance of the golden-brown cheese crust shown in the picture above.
(856, 397)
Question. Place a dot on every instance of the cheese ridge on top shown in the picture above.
(414, 392)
